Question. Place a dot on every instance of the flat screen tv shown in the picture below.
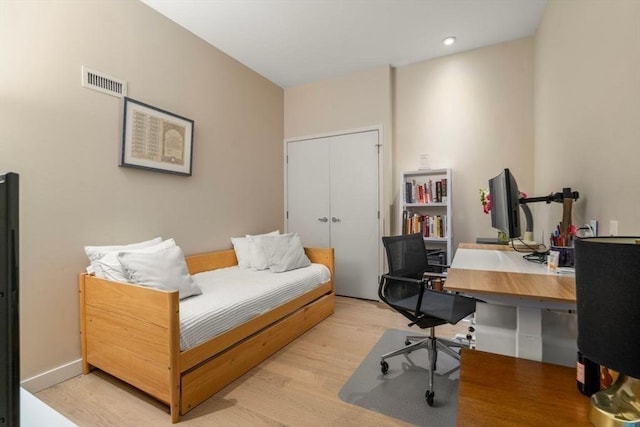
(9, 319)
(505, 204)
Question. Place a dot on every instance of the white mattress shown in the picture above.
(231, 296)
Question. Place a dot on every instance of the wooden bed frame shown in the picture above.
(133, 333)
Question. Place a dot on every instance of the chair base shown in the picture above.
(432, 344)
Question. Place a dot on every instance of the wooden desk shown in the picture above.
(482, 269)
(496, 390)
(521, 292)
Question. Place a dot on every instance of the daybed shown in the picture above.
(133, 333)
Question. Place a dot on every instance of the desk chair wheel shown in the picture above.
(384, 367)
(429, 396)
(407, 342)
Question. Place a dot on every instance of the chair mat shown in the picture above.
(401, 392)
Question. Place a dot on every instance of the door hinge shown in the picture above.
(287, 214)
(378, 214)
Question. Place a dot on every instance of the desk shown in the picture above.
(496, 390)
(521, 293)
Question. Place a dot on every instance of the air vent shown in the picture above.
(102, 82)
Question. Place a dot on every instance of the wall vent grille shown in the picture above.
(102, 82)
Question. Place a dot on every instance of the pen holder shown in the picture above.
(565, 255)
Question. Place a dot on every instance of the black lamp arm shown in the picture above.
(553, 197)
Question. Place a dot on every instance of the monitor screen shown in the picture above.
(505, 204)
(9, 327)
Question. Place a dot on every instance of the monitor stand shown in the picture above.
(525, 243)
(490, 241)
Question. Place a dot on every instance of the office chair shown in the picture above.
(408, 289)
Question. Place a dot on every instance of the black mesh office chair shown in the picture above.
(408, 289)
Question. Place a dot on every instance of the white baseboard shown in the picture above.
(54, 376)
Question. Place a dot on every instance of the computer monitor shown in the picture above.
(505, 204)
(9, 318)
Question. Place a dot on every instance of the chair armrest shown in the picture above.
(445, 266)
(431, 274)
(420, 284)
(403, 279)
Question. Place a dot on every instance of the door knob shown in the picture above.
(334, 219)
(323, 219)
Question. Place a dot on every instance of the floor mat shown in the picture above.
(401, 392)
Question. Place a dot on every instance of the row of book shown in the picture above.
(426, 192)
(427, 225)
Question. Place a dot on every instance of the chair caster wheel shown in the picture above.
(384, 367)
(407, 342)
(429, 396)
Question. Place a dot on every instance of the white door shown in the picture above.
(309, 191)
(344, 170)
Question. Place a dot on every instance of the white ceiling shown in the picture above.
(292, 42)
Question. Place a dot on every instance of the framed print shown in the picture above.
(155, 139)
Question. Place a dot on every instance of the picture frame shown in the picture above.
(155, 139)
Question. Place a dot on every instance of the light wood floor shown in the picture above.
(298, 386)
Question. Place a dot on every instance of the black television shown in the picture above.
(9, 290)
(505, 204)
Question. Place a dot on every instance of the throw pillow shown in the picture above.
(163, 269)
(109, 267)
(94, 253)
(241, 248)
(284, 252)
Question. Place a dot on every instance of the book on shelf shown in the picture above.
(430, 226)
(426, 192)
(443, 197)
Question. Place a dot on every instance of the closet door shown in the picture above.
(354, 213)
(332, 201)
(308, 191)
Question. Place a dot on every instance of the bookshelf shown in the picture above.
(426, 207)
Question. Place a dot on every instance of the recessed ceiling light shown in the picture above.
(449, 41)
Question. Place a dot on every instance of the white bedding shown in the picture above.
(231, 296)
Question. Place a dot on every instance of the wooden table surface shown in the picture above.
(539, 287)
(542, 287)
(498, 390)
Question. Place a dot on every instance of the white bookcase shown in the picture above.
(426, 207)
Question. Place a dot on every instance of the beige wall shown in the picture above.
(587, 110)
(64, 142)
(348, 102)
(471, 112)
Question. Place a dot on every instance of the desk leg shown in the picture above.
(496, 328)
(529, 333)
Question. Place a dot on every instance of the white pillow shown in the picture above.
(284, 252)
(241, 248)
(109, 267)
(163, 269)
(94, 253)
(257, 256)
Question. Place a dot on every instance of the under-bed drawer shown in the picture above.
(207, 379)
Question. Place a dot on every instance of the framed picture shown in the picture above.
(155, 139)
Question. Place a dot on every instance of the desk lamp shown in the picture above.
(608, 304)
